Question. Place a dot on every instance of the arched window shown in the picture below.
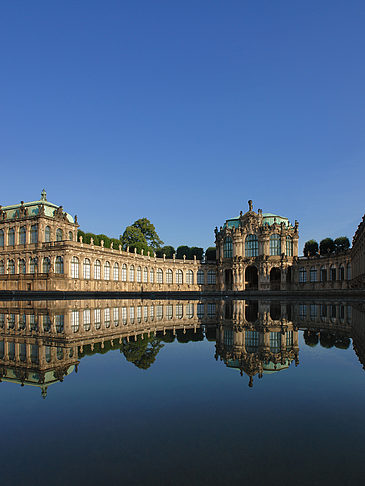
(302, 275)
(275, 248)
(75, 267)
(131, 273)
(87, 320)
(323, 274)
(124, 272)
(21, 265)
(313, 274)
(86, 269)
(169, 276)
(349, 271)
(70, 236)
(46, 265)
(2, 267)
(106, 271)
(33, 265)
(200, 277)
(47, 234)
(59, 265)
(179, 311)
(116, 272)
(59, 234)
(97, 270)
(75, 320)
(251, 246)
(139, 274)
(189, 311)
(228, 247)
(11, 237)
(1, 238)
(145, 275)
(342, 272)
(179, 277)
(189, 277)
(289, 246)
(34, 233)
(11, 267)
(333, 273)
(22, 235)
(211, 277)
(152, 276)
(159, 276)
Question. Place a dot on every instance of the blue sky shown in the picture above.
(182, 111)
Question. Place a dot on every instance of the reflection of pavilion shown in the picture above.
(256, 338)
(41, 342)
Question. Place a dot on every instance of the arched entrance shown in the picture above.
(251, 278)
(228, 278)
(275, 278)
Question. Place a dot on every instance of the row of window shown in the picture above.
(252, 340)
(33, 266)
(134, 274)
(137, 274)
(137, 314)
(12, 350)
(333, 274)
(252, 246)
(33, 235)
(325, 311)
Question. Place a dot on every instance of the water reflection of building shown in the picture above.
(41, 342)
(257, 338)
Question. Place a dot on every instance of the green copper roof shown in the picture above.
(268, 218)
(33, 208)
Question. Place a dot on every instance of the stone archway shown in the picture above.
(251, 278)
(275, 278)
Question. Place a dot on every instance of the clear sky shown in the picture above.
(181, 111)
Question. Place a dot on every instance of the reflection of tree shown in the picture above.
(189, 335)
(343, 343)
(327, 340)
(142, 353)
(310, 338)
(167, 337)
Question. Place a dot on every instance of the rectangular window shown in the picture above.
(97, 318)
(107, 317)
(211, 310)
(124, 315)
(169, 311)
(75, 320)
(116, 316)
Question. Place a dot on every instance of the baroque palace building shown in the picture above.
(40, 251)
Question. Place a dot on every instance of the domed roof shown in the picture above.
(33, 208)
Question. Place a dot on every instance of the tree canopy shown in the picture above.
(327, 246)
(342, 243)
(210, 253)
(166, 250)
(149, 232)
(310, 248)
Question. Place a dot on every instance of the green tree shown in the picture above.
(149, 232)
(80, 233)
(342, 243)
(210, 253)
(181, 251)
(106, 240)
(326, 246)
(142, 353)
(310, 248)
(167, 250)
(198, 252)
(134, 238)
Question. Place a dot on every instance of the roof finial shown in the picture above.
(250, 205)
(43, 195)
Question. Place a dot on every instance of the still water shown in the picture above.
(182, 392)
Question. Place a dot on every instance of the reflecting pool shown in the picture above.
(182, 392)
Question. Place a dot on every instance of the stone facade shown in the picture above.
(358, 256)
(39, 251)
(256, 251)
